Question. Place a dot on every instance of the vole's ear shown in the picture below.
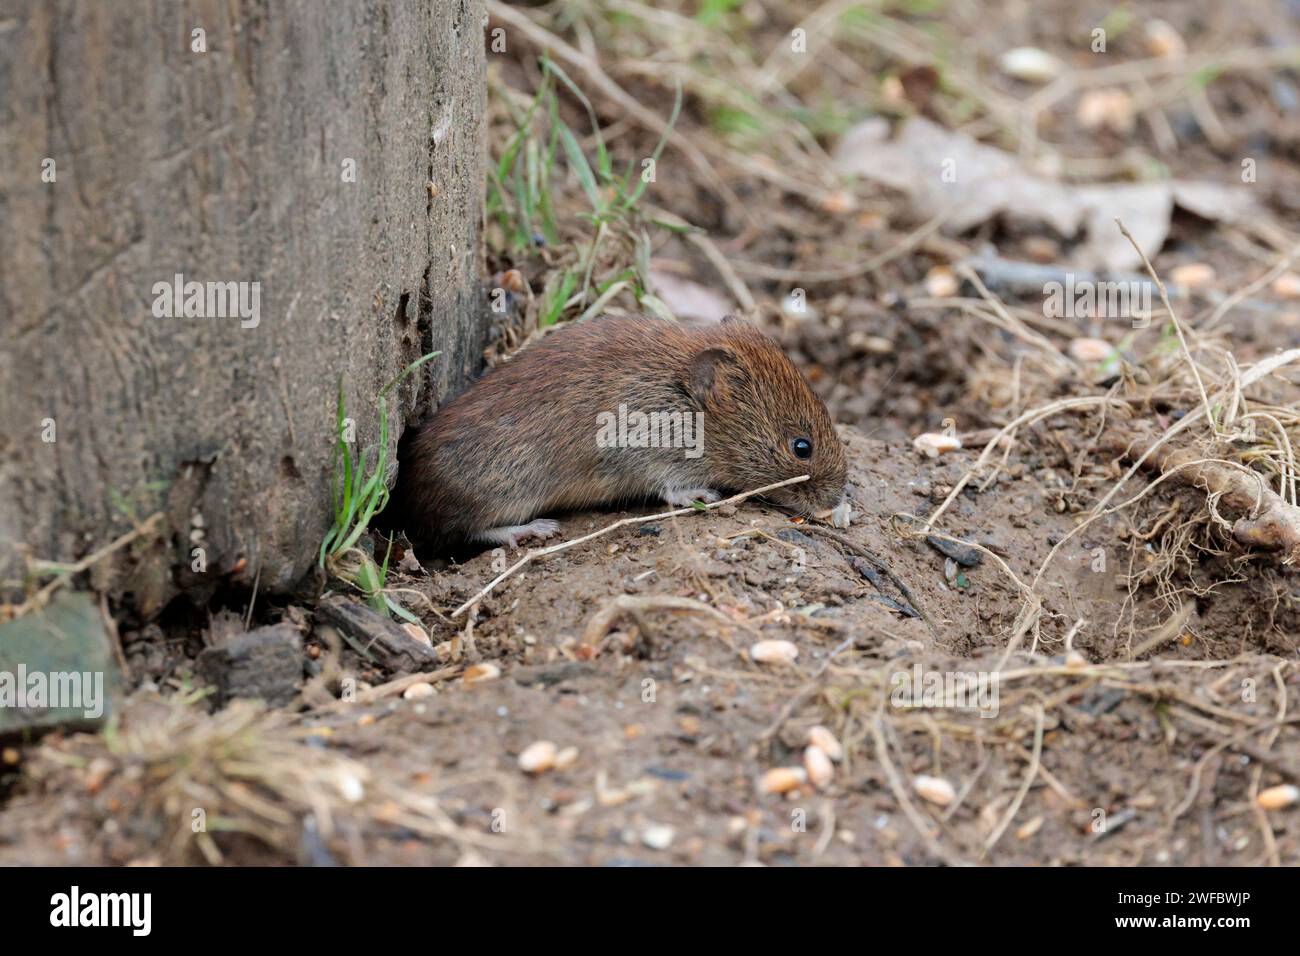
(706, 377)
(731, 319)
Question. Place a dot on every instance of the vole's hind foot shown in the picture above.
(685, 497)
(511, 535)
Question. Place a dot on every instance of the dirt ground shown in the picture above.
(1138, 655)
(675, 725)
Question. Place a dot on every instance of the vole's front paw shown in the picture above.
(685, 497)
(511, 535)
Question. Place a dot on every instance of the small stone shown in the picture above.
(964, 554)
(265, 663)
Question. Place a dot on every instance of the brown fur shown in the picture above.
(522, 441)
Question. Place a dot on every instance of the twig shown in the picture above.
(761, 270)
(1033, 415)
(1245, 292)
(389, 689)
(1030, 774)
(904, 801)
(534, 553)
(1252, 375)
(1178, 327)
(880, 564)
(800, 696)
(633, 604)
(734, 282)
(66, 571)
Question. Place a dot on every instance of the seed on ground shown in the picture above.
(479, 673)
(821, 737)
(935, 789)
(774, 652)
(783, 779)
(538, 757)
(818, 766)
(1275, 798)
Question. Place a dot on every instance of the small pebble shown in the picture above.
(964, 554)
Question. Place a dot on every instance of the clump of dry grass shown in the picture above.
(182, 783)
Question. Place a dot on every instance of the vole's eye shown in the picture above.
(801, 447)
